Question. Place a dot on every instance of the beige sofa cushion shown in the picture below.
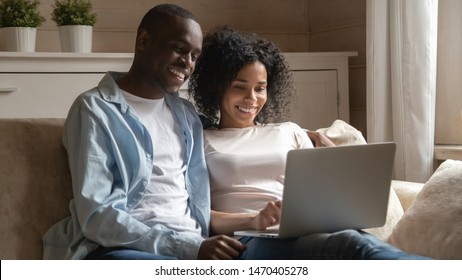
(406, 191)
(35, 184)
(432, 226)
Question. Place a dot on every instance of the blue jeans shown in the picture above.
(342, 245)
(120, 253)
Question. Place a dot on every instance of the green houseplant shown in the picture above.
(20, 13)
(73, 12)
(75, 21)
(19, 20)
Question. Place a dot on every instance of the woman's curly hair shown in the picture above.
(225, 52)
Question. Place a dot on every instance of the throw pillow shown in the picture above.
(341, 133)
(432, 226)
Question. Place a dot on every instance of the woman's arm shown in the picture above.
(319, 139)
(227, 223)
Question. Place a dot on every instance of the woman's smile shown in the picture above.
(244, 97)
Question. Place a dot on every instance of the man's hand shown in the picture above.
(220, 247)
(319, 139)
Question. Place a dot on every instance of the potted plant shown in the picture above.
(75, 21)
(19, 20)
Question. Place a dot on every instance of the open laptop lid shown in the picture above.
(334, 188)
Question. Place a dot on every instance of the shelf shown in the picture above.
(32, 82)
(443, 152)
(45, 62)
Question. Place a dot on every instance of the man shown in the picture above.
(135, 150)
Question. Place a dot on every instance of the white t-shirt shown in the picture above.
(247, 165)
(166, 199)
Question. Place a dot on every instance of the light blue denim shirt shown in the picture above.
(110, 158)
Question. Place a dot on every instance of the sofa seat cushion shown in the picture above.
(432, 226)
(35, 184)
(407, 192)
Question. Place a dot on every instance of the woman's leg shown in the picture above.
(120, 253)
(347, 245)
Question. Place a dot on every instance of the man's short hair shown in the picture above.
(163, 11)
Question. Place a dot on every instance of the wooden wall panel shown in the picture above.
(328, 14)
(284, 22)
(340, 25)
(358, 103)
(349, 38)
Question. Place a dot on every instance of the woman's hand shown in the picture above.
(269, 216)
(228, 223)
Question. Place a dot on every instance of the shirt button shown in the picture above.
(145, 183)
(148, 156)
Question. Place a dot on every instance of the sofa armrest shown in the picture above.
(406, 191)
(35, 184)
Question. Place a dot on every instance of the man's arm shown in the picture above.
(220, 247)
(103, 184)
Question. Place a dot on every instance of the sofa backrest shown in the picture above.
(35, 184)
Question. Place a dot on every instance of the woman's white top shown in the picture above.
(247, 165)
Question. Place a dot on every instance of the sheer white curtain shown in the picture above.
(401, 81)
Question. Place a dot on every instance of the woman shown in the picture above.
(242, 87)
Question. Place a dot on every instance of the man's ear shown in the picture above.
(142, 40)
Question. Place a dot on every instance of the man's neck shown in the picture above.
(137, 85)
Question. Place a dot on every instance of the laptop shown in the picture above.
(330, 189)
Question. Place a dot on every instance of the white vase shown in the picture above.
(76, 38)
(19, 39)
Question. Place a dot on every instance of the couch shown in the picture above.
(35, 190)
